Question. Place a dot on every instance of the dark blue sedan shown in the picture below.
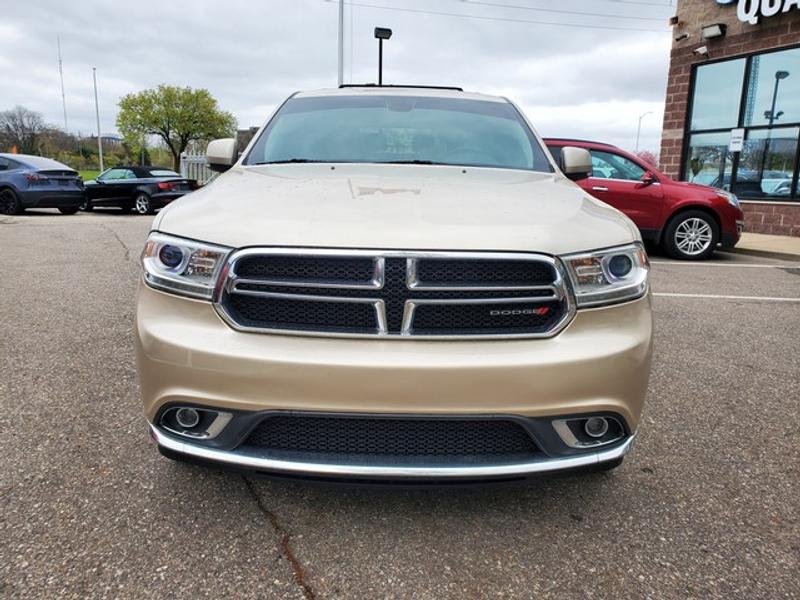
(35, 182)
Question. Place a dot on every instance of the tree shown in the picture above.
(21, 127)
(177, 115)
(648, 157)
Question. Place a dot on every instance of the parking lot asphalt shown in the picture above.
(707, 505)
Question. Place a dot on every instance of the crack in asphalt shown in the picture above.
(119, 239)
(298, 570)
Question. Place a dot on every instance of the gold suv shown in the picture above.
(394, 283)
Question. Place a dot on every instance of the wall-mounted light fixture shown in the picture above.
(701, 51)
(681, 37)
(710, 32)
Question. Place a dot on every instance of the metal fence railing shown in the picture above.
(193, 166)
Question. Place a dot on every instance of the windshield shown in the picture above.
(399, 129)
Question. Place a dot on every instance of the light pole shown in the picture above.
(772, 117)
(381, 33)
(61, 75)
(779, 76)
(639, 129)
(341, 42)
(97, 115)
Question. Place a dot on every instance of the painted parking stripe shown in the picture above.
(711, 264)
(723, 297)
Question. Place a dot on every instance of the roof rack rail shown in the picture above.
(423, 87)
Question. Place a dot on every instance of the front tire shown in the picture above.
(143, 205)
(691, 235)
(86, 205)
(67, 210)
(9, 203)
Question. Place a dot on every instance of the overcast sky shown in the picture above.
(591, 81)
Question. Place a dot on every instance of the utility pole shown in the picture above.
(97, 115)
(341, 42)
(61, 75)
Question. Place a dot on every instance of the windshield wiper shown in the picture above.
(288, 160)
(380, 162)
(409, 162)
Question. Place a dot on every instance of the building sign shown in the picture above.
(750, 11)
(737, 140)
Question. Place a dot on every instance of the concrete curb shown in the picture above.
(762, 253)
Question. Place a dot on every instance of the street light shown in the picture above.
(779, 76)
(381, 33)
(772, 116)
(97, 116)
(639, 129)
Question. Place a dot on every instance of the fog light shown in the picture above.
(189, 417)
(596, 427)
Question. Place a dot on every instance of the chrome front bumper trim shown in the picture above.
(243, 460)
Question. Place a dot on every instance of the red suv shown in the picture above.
(685, 219)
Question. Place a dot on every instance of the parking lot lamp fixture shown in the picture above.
(381, 33)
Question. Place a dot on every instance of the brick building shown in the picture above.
(735, 73)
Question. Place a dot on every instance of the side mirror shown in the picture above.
(648, 179)
(221, 154)
(577, 162)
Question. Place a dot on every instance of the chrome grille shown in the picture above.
(394, 293)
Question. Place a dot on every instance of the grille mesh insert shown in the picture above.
(280, 313)
(438, 271)
(392, 437)
(432, 319)
(355, 270)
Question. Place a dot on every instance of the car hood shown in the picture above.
(697, 187)
(409, 207)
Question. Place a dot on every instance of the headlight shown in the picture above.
(731, 198)
(182, 266)
(609, 276)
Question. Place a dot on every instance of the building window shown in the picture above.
(709, 162)
(717, 92)
(767, 163)
(760, 93)
(774, 76)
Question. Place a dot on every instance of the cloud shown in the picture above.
(571, 81)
